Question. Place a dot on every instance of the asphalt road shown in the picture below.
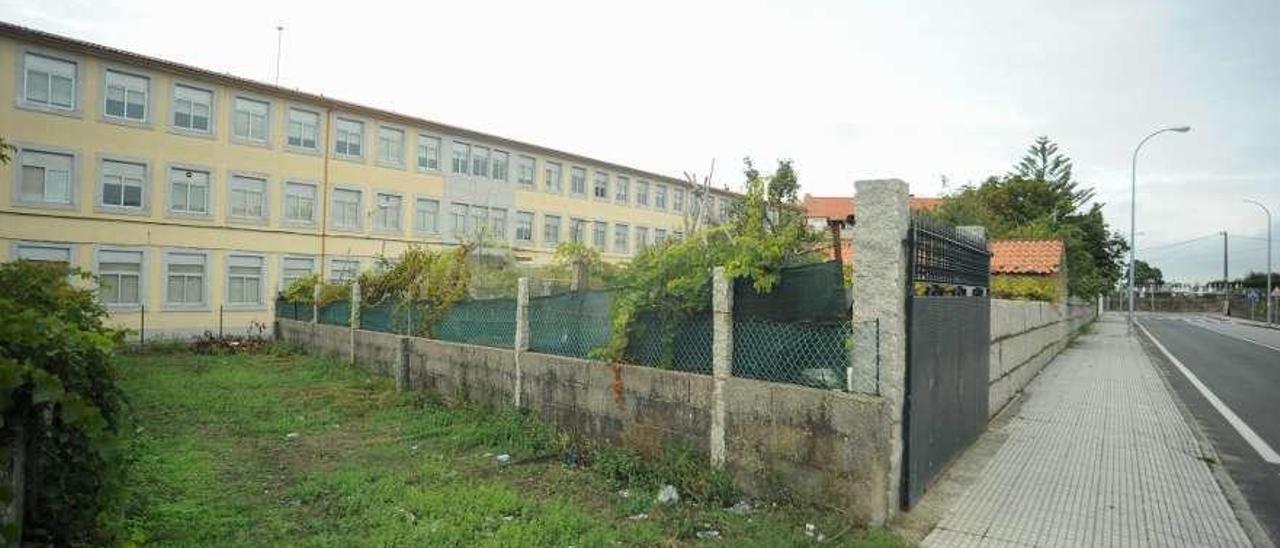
(1240, 365)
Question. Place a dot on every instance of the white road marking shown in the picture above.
(1265, 451)
(1204, 324)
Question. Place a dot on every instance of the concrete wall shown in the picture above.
(1025, 336)
(822, 447)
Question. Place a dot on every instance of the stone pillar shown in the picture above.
(721, 358)
(578, 276)
(315, 303)
(354, 321)
(880, 286)
(402, 364)
(522, 335)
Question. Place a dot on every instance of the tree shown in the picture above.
(1040, 199)
(1145, 274)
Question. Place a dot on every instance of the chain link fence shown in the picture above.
(570, 324)
(293, 311)
(486, 322)
(809, 354)
(336, 313)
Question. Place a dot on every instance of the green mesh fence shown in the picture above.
(570, 324)
(684, 346)
(336, 313)
(810, 354)
(392, 317)
(293, 311)
(488, 322)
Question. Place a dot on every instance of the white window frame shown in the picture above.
(642, 196)
(234, 177)
(456, 233)
(337, 130)
(641, 239)
(284, 260)
(480, 161)
(499, 222)
(101, 186)
(229, 261)
(505, 164)
(333, 207)
(399, 214)
(600, 236)
(573, 171)
(143, 273)
(265, 141)
(397, 161)
(559, 231)
(209, 193)
(662, 190)
(533, 171)
(622, 230)
(288, 129)
(205, 281)
(677, 199)
(73, 176)
(77, 83)
(622, 190)
(107, 72)
(423, 140)
(347, 259)
(531, 217)
(15, 249)
(547, 167)
(459, 165)
(288, 184)
(599, 192)
(417, 215)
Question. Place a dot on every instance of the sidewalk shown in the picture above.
(1098, 455)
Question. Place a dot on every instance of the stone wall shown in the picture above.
(1025, 336)
(823, 447)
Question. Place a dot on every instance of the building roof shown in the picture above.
(1026, 256)
(839, 208)
(56, 41)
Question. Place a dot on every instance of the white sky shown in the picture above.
(849, 90)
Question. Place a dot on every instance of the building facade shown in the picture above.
(194, 196)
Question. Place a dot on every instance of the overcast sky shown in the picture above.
(849, 90)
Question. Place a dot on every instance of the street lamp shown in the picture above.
(1268, 295)
(1133, 206)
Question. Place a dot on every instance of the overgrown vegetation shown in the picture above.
(764, 234)
(1025, 288)
(1040, 199)
(59, 397)
(272, 449)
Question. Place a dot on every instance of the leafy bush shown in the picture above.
(680, 466)
(1025, 288)
(58, 387)
(303, 290)
(431, 281)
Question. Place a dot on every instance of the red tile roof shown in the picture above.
(841, 207)
(1026, 256)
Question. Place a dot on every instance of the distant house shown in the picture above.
(828, 213)
(1044, 259)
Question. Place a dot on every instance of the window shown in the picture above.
(294, 269)
(461, 158)
(660, 197)
(479, 223)
(346, 209)
(45, 253)
(428, 152)
(498, 224)
(244, 280)
(300, 202)
(599, 235)
(249, 121)
(525, 170)
(601, 188)
(304, 129)
(120, 277)
(524, 226)
(621, 234)
(642, 237)
(343, 270)
(553, 177)
(500, 165)
(642, 193)
(578, 181)
(49, 82)
(185, 278)
(577, 231)
(391, 146)
(387, 215)
(46, 177)
(677, 199)
(348, 138)
(458, 213)
(126, 96)
(192, 108)
(659, 236)
(550, 230)
(480, 161)
(724, 209)
(678, 235)
(122, 184)
(621, 190)
(189, 191)
(428, 216)
(248, 197)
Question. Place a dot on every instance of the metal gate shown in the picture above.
(948, 338)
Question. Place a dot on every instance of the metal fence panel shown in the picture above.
(336, 313)
(487, 322)
(684, 346)
(809, 354)
(570, 324)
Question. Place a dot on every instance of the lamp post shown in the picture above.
(1133, 206)
(1269, 270)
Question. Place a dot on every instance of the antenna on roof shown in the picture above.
(279, 43)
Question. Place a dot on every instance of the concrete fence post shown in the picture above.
(315, 303)
(354, 321)
(522, 334)
(579, 277)
(402, 364)
(721, 359)
(880, 286)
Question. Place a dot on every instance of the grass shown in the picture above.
(269, 449)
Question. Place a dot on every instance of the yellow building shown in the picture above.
(195, 196)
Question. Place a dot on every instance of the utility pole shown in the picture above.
(1226, 282)
(1270, 317)
(279, 43)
